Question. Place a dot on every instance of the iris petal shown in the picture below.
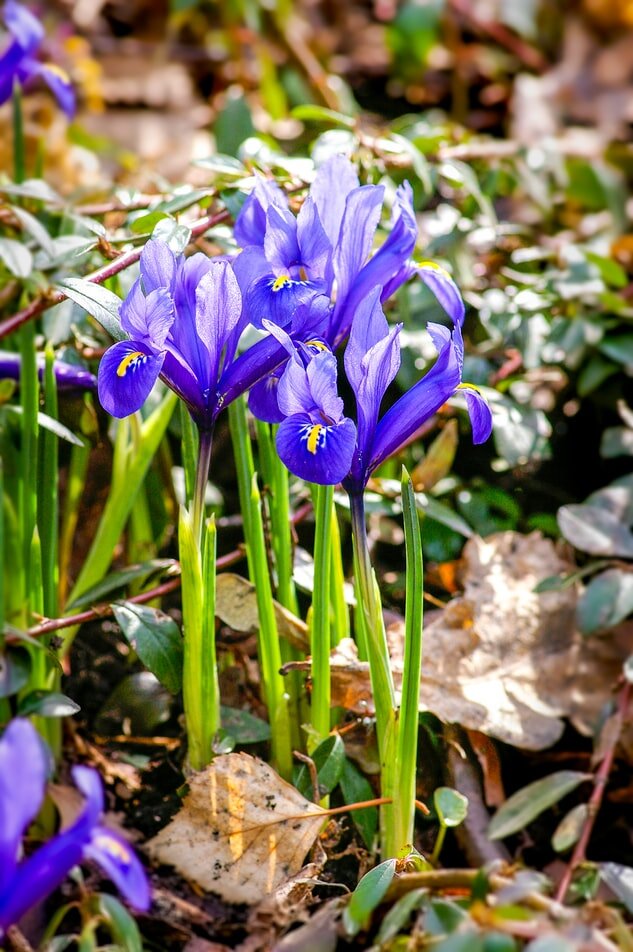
(120, 864)
(127, 373)
(317, 452)
(57, 81)
(479, 413)
(23, 26)
(23, 758)
(444, 288)
(262, 400)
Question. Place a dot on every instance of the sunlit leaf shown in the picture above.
(367, 896)
(529, 802)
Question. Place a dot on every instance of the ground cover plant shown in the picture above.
(316, 498)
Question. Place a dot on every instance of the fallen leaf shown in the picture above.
(236, 606)
(501, 658)
(241, 831)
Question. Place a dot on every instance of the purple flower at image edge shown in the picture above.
(18, 63)
(24, 765)
(316, 441)
(68, 376)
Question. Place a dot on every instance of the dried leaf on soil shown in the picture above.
(241, 831)
(236, 606)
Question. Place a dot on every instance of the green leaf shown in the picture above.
(499, 942)
(34, 228)
(443, 514)
(616, 441)
(450, 805)
(224, 165)
(595, 530)
(145, 224)
(155, 638)
(399, 915)
(367, 896)
(461, 942)
(619, 879)
(118, 580)
(529, 802)
(16, 257)
(607, 600)
(329, 759)
(15, 670)
(174, 234)
(355, 789)
(551, 943)
(310, 112)
(48, 423)
(122, 926)
(47, 704)
(618, 347)
(139, 701)
(101, 303)
(594, 373)
(568, 831)
(244, 727)
(33, 188)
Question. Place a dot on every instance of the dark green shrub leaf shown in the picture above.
(15, 669)
(367, 896)
(355, 788)
(529, 802)
(155, 638)
(47, 704)
(606, 601)
(243, 726)
(329, 758)
(450, 805)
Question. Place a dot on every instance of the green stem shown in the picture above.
(243, 456)
(205, 446)
(407, 743)
(48, 501)
(19, 161)
(380, 670)
(320, 625)
(29, 399)
(341, 627)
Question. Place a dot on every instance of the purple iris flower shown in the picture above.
(318, 443)
(184, 317)
(23, 883)
(68, 376)
(18, 63)
(327, 249)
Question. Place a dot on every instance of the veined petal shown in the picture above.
(293, 393)
(444, 288)
(218, 312)
(120, 863)
(479, 413)
(278, 299)
(334, 181)
(280, 243)
(127, 372)
(24, 27)
(148, 317)
(315, 248)
(23, 771)
(158, 265)
(358, 227)
(321, 373)
(317, 452)
(420, 402)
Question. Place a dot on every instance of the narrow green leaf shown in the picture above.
(309, 112)
(155, 638)
(119, 580)
(124, 929)
(16, 257)
(529, 802)
(367, 896)
(15, 669)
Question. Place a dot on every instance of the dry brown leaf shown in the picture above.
(236, 606)
(241, 831)
(501, 658)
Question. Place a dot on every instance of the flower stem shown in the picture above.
(320, 626)
(19, 161)
(380, 671)
(202, 476)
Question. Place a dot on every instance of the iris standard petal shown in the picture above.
(281, 246)
(218, 312)
(250, 225)
(321, 374)
(420, 402)
(315, 248)
(293, 393)
(24, 27)
(358, 227)
(479, 413)
(158, 265)
(333, 182)
(317, 452)
(119, 862)
(148, 317)
(263, 402)
(127, 373)
(24, 766)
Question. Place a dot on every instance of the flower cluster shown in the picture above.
(24, 764)
(18, 63)
(310, 281)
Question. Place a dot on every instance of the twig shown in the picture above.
(529, 55)
(17, 941)
(51, 297)
(595, 801)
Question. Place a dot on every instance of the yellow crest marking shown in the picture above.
(281, 282)
(112, 846)
(431, 266)
(127, 362)
(313, 437)
(58, 71)
(317, 344)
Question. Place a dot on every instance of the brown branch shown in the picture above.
(599, 785)
(529, 55)
(51, 297)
